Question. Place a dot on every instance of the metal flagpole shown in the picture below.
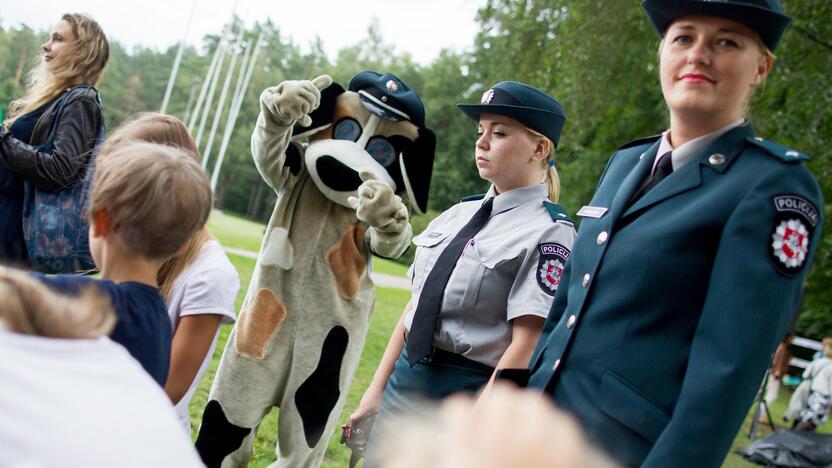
(210, 99)
(190, 100)
(206, 153)
(232, 120)
(177, 61)
(208, 77)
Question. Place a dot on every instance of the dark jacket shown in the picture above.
(74, 140)
(670, 306)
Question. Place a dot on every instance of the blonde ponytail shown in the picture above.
(552, 180)
(550, 176)
(30, 308)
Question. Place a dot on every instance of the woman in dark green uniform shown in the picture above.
(690, 256)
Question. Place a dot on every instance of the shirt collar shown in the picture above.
(514, 198)
(685, 153)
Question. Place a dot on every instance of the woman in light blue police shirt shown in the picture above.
(502, 277)
(690, 256)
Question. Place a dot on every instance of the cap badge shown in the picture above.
(487, 96)
(391, 86)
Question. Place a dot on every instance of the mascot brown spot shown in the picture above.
(258, 323)
(347, 261)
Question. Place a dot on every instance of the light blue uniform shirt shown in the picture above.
(509, 269)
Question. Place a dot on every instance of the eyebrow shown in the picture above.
(720, 30)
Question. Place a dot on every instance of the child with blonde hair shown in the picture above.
(146, 202)
(66, 386)
(199, 284)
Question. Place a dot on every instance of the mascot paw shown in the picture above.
(378, 206)
(292, 101)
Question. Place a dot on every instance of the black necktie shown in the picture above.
(663, 169)
(420, 338)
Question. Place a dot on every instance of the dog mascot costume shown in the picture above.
(302, 327)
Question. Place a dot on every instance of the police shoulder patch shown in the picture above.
(552, 258)
(776, 149)
(794, 222)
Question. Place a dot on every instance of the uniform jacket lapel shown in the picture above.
(633, 181)
(690, 175)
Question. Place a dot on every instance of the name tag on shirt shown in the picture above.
(592, 211)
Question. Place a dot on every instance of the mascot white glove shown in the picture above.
(292, 101)
(378, 206)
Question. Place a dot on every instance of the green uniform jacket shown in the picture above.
(674, 304)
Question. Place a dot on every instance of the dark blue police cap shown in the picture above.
(387, 96)
(526, 104)
(765, 17)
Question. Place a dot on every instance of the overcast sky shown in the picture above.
(421, 27)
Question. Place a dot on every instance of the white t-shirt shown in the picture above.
(209, 285)
(83, 403)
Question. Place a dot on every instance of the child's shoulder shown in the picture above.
(136, 294)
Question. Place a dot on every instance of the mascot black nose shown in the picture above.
(337, 175)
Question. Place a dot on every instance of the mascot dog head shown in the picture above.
(377, 126)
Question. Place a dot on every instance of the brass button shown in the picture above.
(586, 280)
(571, 322)
(602, 237)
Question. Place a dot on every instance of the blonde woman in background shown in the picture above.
(75, 54)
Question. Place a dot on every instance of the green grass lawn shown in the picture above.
(236, 232)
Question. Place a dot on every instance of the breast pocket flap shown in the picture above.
(496, 257)
(627, 405)
(430, 239)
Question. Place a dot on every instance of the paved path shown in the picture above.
(380, 279)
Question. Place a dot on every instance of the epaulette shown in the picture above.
(557, 212)
(776, 149)
(472, 198)
(640, 141)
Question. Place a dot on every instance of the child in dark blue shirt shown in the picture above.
(146, 202)
(143, 325)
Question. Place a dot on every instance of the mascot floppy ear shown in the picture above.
(322, 116)
(416, 164)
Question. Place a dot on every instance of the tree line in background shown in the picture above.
(598, 58)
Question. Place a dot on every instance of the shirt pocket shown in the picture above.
(429, 245)
(489, 286)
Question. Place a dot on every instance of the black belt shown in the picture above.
(440, 356)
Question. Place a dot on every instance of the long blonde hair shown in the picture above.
(82, 62)
(551, 177)
(164, 129)
(30, 308)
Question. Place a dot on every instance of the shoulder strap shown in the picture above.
(61, 103)
(472, 197)
(640, 141)
(556, 212)
(777, 150)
